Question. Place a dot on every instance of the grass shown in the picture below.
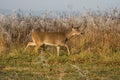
(80, 66)
(95, 53)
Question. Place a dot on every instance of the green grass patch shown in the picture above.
(19, 65)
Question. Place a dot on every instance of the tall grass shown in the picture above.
(101, 30)
(95, 54)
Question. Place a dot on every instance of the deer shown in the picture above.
(56, 39)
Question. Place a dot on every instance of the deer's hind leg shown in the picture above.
(30, 44)
(37, 47)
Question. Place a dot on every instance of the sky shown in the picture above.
(59, 5)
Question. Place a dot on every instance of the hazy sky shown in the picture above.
(58, 4)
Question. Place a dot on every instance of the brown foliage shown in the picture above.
(101, 32)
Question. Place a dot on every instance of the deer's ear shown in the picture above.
(75, 28)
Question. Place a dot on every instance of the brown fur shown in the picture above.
(51, 38)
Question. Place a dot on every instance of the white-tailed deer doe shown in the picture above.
(56, 39)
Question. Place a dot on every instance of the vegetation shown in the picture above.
(95, 55)
(83, 66)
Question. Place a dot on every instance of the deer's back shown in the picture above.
(48, 37)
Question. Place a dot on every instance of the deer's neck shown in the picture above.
(68, 36)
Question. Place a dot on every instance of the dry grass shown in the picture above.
(95, 54)
(101, 31)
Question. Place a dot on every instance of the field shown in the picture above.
(95, 55)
